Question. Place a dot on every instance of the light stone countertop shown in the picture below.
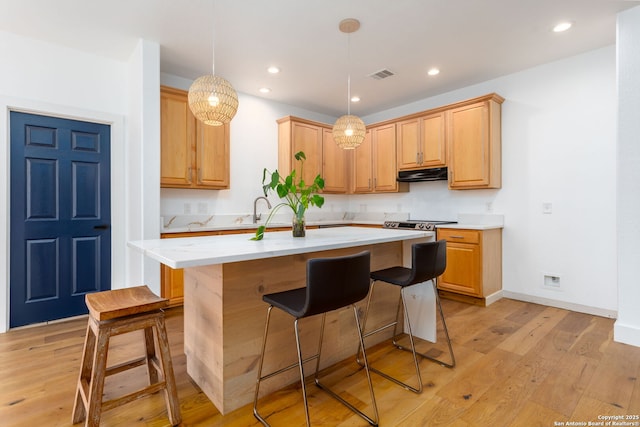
(477, 222)
(197, 251)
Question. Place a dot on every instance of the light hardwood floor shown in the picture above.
(519, 364)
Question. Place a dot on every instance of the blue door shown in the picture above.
(60, 216)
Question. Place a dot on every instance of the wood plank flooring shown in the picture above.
(518, 364)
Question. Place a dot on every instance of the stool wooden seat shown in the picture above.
(113, 313)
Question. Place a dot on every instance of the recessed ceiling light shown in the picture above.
(562, 26)
(265, 90)
(355, 99)
(433, 72)
(273, 70)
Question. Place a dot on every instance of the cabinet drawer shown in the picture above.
(457, 235)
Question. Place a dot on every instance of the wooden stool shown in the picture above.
(113, 313)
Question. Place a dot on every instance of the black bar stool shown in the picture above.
(428, 261)
(332, 283)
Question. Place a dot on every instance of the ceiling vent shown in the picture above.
(382, 74)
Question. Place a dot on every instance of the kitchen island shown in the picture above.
(224, 315)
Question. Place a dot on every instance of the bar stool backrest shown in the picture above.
(428, 261)
(333, 283)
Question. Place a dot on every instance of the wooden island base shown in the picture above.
(224, 318)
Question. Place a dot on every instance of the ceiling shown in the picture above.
(470, 41)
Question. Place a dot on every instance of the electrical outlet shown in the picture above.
(187, 208)
(547, 208)
(202, 208)
(552, 281)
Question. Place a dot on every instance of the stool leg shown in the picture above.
(452, 364)
(401, 304)
(96, 387)
(364, 322)
(373, 421)
(151, 354)
(413, 347)
(301, 366)
(79, 408)
(170, 392)
(260, 363)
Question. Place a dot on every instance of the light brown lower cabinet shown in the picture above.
(172, 280)
(474, 265)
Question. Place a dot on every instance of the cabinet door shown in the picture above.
(474, 146)
(433, 135)
(463, 272)
(177, 134)
(335, 162)
(307, 138)
(172, 284)
(409, 146)
(384, 158)
(363, 166)
(212, 156)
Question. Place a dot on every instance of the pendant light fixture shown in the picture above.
(349, 131)
(212, 99)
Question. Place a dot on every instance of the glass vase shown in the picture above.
(298, 227)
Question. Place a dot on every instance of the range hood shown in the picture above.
(433, 174)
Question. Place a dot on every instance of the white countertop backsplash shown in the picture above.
(208, 222)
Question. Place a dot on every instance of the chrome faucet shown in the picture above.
(256, 216)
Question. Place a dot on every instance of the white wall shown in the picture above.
(627, 327)
(558, 146)
(558, 136)
(143, 162)
(41, 77)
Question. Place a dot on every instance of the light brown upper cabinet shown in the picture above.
(295, 134)
(335, 164)
(374, 162)
(474, 144)
(362, 170)
(422, 142)
(193, 155)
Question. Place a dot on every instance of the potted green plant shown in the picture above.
(297, 195)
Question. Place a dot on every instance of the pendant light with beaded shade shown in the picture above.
(349, 131)
(212, 99)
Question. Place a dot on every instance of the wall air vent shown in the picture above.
(382, 74)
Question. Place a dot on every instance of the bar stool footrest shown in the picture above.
(113, 403)
(116, 369)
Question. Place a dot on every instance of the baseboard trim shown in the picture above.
(490, 299)
(626, 334)
(612, 314)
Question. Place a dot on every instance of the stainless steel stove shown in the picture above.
(416, 224)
